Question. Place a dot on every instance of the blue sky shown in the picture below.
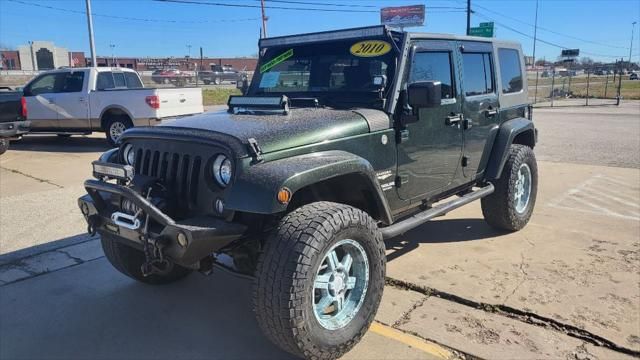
(600, 28)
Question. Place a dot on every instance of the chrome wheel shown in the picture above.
(523, 189)
(116, 129)
(340, 284)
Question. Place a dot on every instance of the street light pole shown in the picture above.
(188, 51)
(633, 30)
(535, 39)
(113, 57)
(92, 45)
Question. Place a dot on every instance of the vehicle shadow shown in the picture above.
(91, 311)
(440, 231)
(53, 143)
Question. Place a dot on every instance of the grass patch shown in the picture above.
(218, 96)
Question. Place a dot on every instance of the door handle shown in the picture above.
(453, 119)
(491, 112)
(81, 99)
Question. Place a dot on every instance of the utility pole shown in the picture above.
(633, 29)
(189, 51)
(264, 20)
(92, 45)
(468, 16)
(535, 39)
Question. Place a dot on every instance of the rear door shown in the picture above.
(480, 102)
(39, 95)
(72, 101)
(429, 155)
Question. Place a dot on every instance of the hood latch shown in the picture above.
(254, 150)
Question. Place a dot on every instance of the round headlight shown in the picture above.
(129, 155)
(222, 170)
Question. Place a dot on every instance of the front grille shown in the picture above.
(180, 173)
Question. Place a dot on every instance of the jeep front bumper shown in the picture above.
(204, 235)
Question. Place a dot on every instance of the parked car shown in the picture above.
(171, 76)
(219, 74)
(111, 100)
(13, 117)
(633, 76)
(373, 133)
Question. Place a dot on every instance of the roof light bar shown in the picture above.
(324, 36)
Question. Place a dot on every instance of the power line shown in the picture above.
(132, 18)
(538, 39)
(551, 31)
(351, 5)
(195, 2)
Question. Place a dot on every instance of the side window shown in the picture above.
(477, 74)
(510, 70)
(104, 81)
(45, 84)
(72, 82)
(133, 82)
(118, 80)
(435, 66)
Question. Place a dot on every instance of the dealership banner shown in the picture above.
(402, 16)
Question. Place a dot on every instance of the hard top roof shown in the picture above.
(370, 31)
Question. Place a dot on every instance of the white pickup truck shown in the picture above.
(81, 100)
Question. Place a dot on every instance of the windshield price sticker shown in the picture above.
(277, 60)
(370, 48)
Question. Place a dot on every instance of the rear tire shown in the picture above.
(4, 145)
(128, 261)
(511, 205)
(206, 82)
(304, 266)
(114, 127)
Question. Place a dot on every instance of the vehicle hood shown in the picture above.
(274, 132)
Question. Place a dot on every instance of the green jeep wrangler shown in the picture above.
(343, 139)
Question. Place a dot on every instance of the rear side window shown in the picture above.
(118, 80)
(72, 82)
(105, 81)
(510, 70)
(133, 82)
(477, 74)
(434, 66)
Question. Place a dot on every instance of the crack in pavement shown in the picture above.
(524, 278)
(37, 274)
(516, 314)
(406, 316)
(32, 177)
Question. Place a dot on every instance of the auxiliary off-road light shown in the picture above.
(112, 171)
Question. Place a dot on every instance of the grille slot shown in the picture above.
(180, 173)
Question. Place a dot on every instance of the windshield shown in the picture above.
(338, 74)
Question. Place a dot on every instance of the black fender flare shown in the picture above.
(255, 190)
(508, 131)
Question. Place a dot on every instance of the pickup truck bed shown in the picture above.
(13, 122)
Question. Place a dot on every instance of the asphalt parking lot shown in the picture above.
(565, 287)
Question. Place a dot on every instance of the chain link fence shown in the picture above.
(585, 87)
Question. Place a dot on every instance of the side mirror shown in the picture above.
(424, 94)
(243, 84)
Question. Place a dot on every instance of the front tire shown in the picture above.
(511, 205)
(319, 280)
(4, 145)
(128, 261)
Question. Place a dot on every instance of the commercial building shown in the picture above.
(45, 55)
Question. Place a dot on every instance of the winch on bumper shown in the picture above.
(183, 242)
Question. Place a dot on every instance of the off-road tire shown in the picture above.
(128, 261)
(4, 145)
(124, 120)
(206, 82)
(283, 286)
(499, 209)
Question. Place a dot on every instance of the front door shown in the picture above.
(429, 153)
(40, 98)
